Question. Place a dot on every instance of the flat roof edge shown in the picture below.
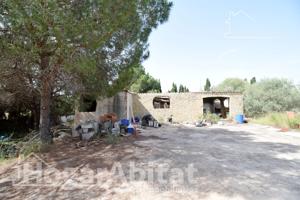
(205, 93)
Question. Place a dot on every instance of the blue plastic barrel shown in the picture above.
(136, 120)
(239, 119)
(130, 129)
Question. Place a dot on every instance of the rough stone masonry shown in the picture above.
(183, 107)
(187, 107)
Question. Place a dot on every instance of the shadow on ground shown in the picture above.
(229, 164)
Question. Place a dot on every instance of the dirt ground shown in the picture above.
(230, 162)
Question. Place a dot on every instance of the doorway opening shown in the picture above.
(217, 105)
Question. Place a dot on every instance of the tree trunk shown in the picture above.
(45, 134)
(35, 117)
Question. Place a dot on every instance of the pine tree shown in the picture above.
(207, 86)
(181, 88)
(174, 88)
(253, 80)
(98, 43)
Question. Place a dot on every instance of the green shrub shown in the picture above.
(294, 123)
(271, 95)
(211, 117)
(24, 146)
(8, 150)
(232, 85)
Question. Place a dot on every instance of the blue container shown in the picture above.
(130, 129)
(136, 120)
(125, 122)
(239, 119)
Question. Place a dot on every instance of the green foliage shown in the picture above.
(186, 89)
(265, 96)
(146, 83)
(8, 150)
(280, 120)
(232, 85)
(174, 88)
(253, 81)
(211, 117)
(180, 89)
(183, 89)
(271, 95)
(295, 123)
(63, 105)
(23, 146)
(85, 46)
(207, 86)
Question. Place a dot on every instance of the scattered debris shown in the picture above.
(108, 117)
(284, 129)
(66, 119)
(170, 119)
(87, 130)
(116, 129)
(108, 125)
(200, 124)
(5, 138)
(220, 122)
(291, 115)
(60, 129)
(148, 120)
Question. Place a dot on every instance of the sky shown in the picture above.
(219, 39)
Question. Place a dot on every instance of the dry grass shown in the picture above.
(280, 120)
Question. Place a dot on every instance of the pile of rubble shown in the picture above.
(110, 124)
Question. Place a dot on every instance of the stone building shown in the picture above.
(187, 107)
(183, 107)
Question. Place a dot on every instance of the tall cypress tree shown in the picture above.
(207, 86)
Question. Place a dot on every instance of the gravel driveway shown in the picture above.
(232, 162)
(229, 162)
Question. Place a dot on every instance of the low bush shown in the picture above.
(271, 96)
(210, 117)
(295, 123)
(24, 146)
(8, 150)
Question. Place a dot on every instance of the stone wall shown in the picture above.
(116, 104)
(81, 117)
(184, 107)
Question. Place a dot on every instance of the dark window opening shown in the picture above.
(216, 105)
(88, 104)
(161, 102)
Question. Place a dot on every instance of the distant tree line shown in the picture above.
(180, 89)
